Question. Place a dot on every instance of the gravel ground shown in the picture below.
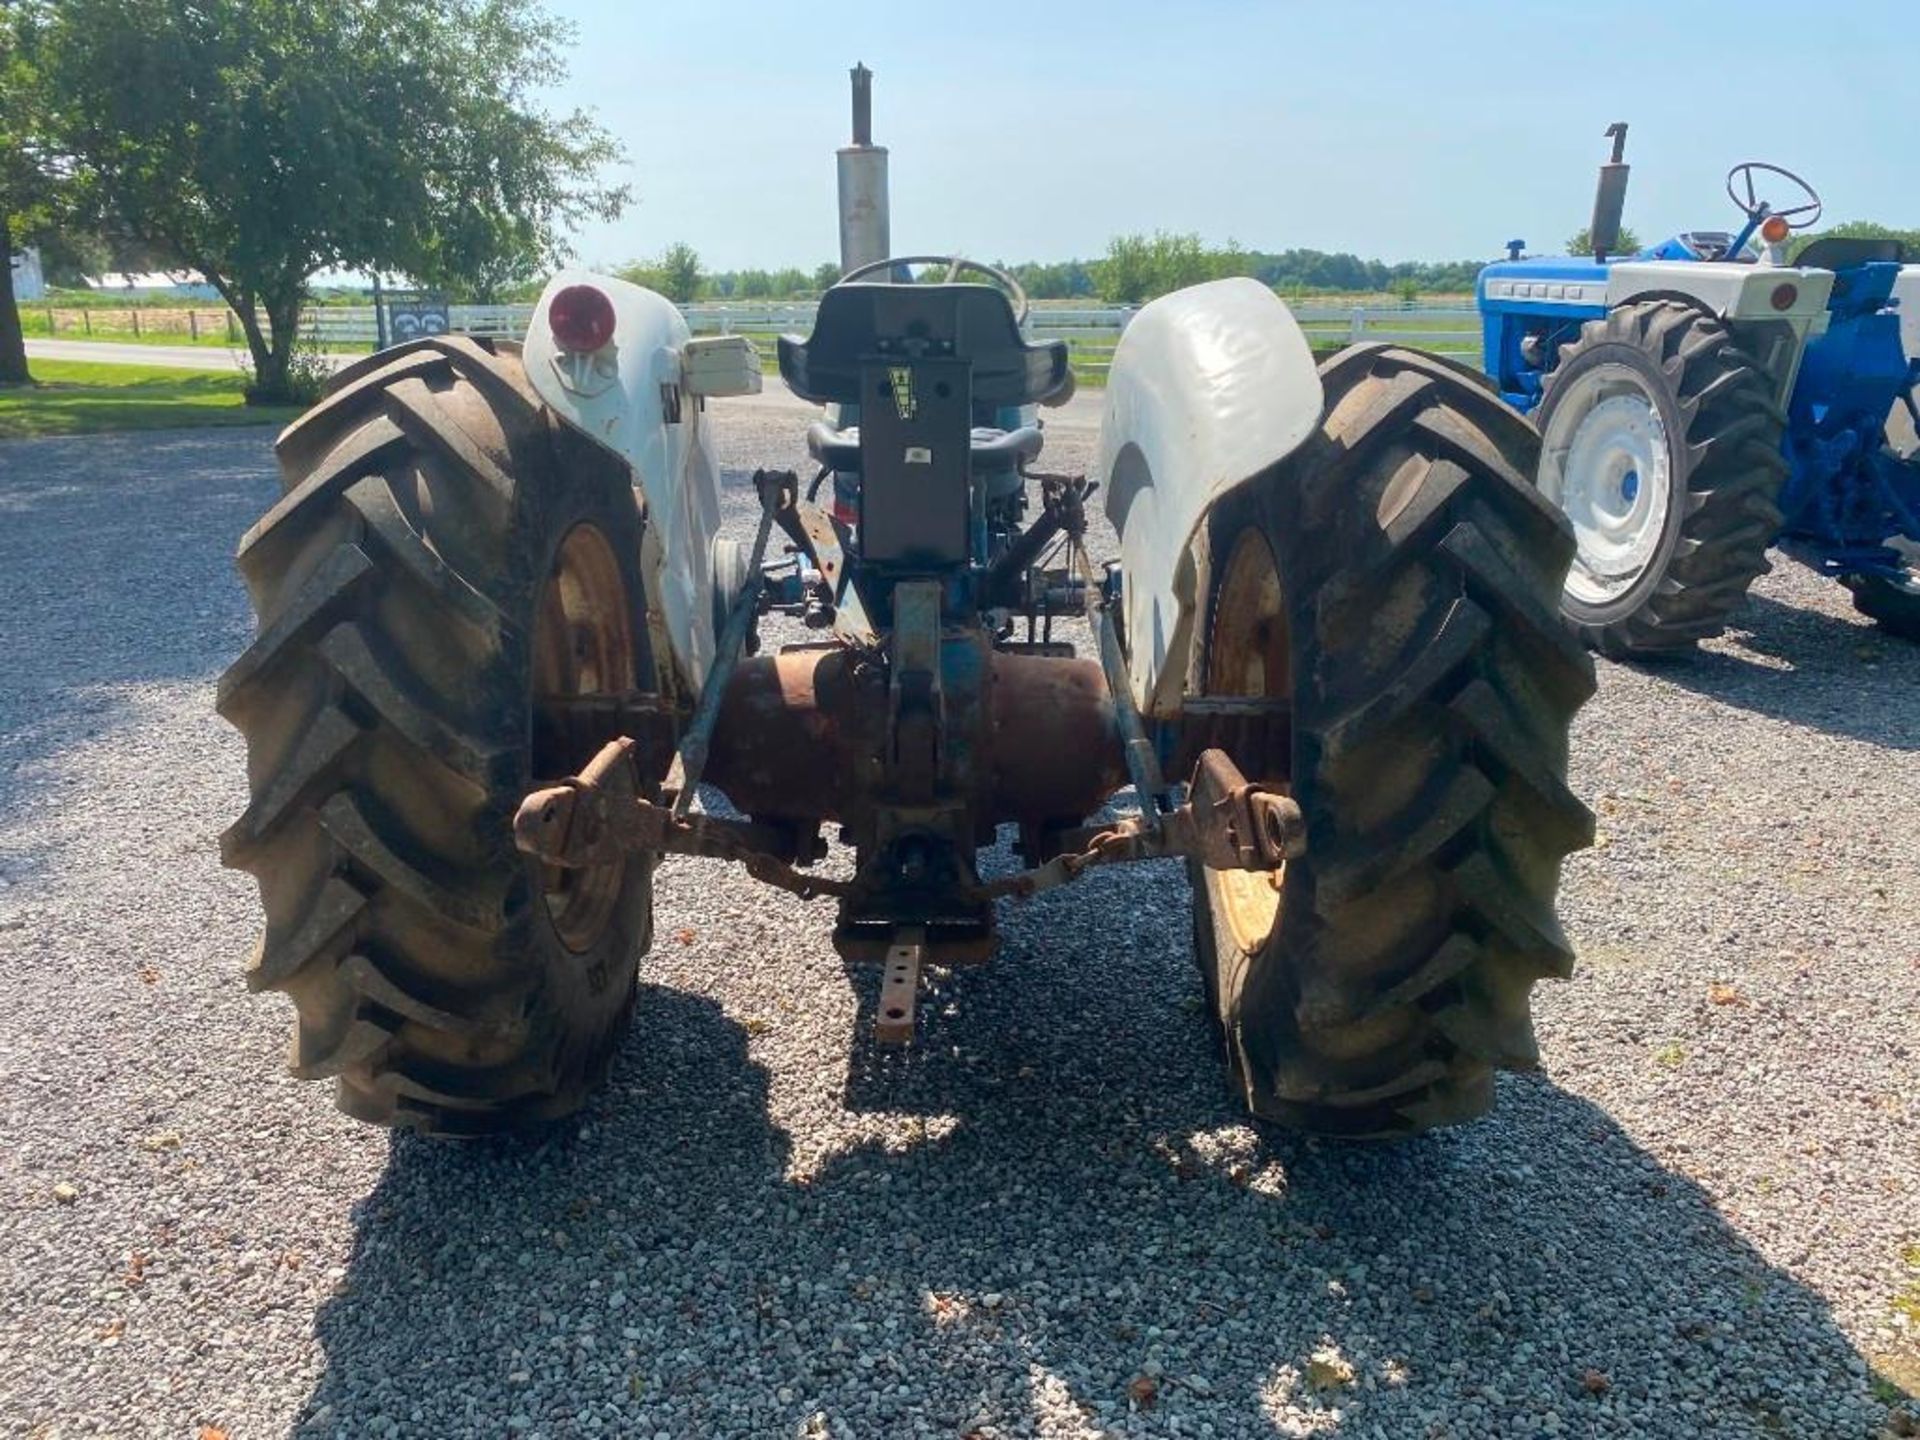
(1701, 1217)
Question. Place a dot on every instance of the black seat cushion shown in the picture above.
(895, 324)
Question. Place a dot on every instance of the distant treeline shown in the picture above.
(1135, 268)
(1138, 267)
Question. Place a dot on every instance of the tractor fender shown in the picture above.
(632, 397)
(1724, 289)
(1209, 387)
(1744, 298)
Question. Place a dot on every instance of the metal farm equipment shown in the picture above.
(503, 648)
(1703, 400)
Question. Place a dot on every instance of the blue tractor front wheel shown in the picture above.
(1661, 443)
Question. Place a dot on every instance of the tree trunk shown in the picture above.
(241, 301)
(284, 317)
(13, 343)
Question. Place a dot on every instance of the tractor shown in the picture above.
(506, 660)
(1704, 400)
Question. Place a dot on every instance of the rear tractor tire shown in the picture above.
(1660, 440)
(445, 557)
(1395, 581)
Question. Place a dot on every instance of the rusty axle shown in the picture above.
(1227, 823)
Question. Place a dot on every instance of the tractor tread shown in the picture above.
(1397, 974)
(1730, 449)
(385, 704)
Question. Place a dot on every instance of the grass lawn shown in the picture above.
(77, 397)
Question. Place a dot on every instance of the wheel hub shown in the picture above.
(1250, 655)
(1607, 464)
(582, 646)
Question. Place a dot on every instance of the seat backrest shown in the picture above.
(862, 323)
(1843, 252)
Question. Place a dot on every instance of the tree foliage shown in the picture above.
(1581, 242)
(1139, 267)
(675, 273)
(258, 141)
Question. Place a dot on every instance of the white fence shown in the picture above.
(1092, 332)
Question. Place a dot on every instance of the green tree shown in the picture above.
(1581, 242)
(1228, 262)
(1139, 267)
(29, 186)
(679, 272)
(674, 273)
(1125, 277)
(826, 275)
(258, 141)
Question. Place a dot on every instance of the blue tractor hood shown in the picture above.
(1546, 269)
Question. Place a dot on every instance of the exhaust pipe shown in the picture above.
(1610, 199)
(864, 225)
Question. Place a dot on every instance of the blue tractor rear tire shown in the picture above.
(1894, 608)
(1712, 408)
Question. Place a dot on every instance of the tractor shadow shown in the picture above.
(1066, 1202)
(1811, 668)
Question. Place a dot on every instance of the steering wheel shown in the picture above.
(1757, 209)
(955, 264)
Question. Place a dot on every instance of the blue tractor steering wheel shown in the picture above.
(1756, 209)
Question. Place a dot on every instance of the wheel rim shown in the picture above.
(1250, 654)
(1606, 462)
(582, 645)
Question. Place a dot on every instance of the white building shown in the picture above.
(28, 282)
(174, 284)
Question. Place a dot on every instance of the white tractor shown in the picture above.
(502, 647)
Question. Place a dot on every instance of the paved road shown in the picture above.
(105, 352)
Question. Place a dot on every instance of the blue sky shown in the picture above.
(1397, 130)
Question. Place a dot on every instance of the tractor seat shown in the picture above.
(863, 324)
(1845, 252)
(991, 450)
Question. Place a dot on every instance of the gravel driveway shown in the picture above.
(1701, 1218)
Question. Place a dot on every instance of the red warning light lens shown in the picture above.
(581, 317)
(1784, 296)
(1773, 229)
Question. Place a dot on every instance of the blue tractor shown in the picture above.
(1704, 399)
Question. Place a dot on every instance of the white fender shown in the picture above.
(1209, 387)
(632, 396)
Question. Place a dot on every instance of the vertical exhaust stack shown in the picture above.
(864, 222)
(1610, 198)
